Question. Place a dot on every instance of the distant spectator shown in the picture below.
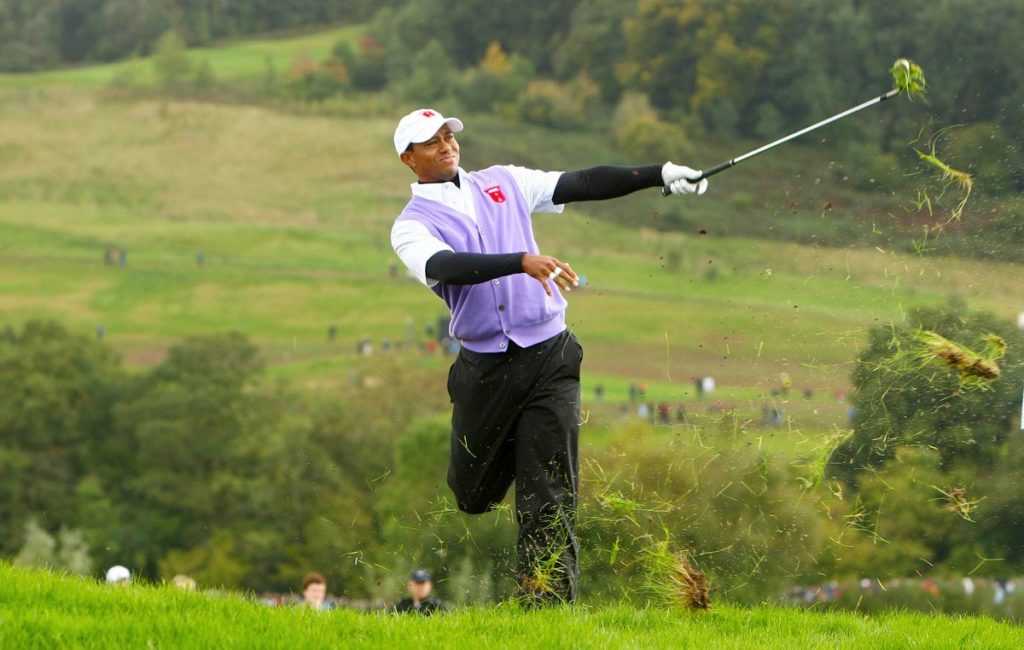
(598, 392)
(200, 258)
(122, 258)
(314, 591)
(785, 382)
(999, 592)
(332, 332)
(681, 412)
(118, 575)
(183, 582)
(100, 332)
(410, 331)
(643, 410)
(419, 600)
(707, 385)
(392, 270)
(664, 413)
(968, 584)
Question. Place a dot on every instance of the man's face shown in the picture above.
(314, 593)
(435, 160)
(420, 590)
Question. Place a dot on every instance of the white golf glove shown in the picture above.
(677, 179)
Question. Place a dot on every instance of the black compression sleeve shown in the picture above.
(604, 182)
(472, 268)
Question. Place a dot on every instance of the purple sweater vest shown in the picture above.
(486, 316)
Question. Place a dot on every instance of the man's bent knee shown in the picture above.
(476, 506)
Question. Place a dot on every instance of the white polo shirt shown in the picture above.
(414, 243)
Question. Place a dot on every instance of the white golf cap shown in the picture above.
(118, 573)
(421, 125)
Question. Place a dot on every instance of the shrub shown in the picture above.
(170, 60)
(499, 78)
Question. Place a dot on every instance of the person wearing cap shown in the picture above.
(514, 385)
(118, 575)
(419, 600)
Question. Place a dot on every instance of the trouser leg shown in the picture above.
(515, 416)
(485, 408)
(547, 476)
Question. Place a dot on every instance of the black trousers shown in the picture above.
(516, 417)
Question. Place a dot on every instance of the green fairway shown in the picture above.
(44, 610)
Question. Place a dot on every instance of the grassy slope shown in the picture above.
(293, 214)
(43, 610)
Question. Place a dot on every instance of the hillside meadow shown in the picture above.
(291, 215)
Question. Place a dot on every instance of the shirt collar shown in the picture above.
(435, 191)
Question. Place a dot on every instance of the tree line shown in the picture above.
(658, 73)
(40, 34)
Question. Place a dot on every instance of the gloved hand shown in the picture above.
(677, 179)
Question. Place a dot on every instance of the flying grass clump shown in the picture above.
(815, 464)
(908, 78)
(949, 178)
(958, 503)
(973, 367)
(672, 580)
(925, 349)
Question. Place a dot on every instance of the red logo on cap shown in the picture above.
(496, 194)
(428, 113)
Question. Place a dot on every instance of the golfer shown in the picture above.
(515, 385)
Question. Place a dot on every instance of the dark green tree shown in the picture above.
(186, 420)
(899, 401)
(55, 418)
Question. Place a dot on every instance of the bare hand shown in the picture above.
(545, 269)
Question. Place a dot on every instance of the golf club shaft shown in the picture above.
(750, 154)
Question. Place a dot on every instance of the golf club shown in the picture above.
(750, 154)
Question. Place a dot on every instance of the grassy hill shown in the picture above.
(44, 610)
(292, 213)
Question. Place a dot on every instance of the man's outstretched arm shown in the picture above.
(612, 181)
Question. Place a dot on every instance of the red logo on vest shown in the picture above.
(428, 113)
(496, 194)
